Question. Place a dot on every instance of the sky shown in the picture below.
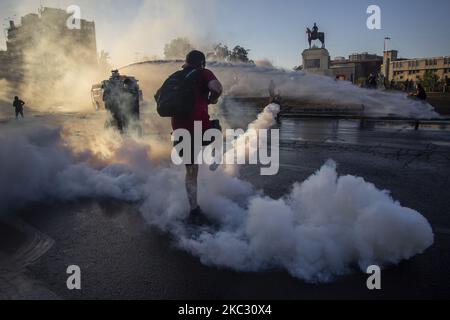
(273, 30)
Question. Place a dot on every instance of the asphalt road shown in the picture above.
(123, 258)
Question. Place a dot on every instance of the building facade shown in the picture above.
(42, 39)
(402, 70)
(357, 68)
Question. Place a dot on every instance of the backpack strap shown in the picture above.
(190, 73)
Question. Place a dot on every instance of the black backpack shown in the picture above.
(176, 97)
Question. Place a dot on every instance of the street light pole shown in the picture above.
(385, 43)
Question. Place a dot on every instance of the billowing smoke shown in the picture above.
(5, 91)
(39, 166)
(320, 230)
(250, 81)
(58, 75)
(325, 226)
(264, 63)
(247, 143)
(52, 66)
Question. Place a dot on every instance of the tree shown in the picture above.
(177, 49)
(240, 54)
(221, 53)
(430, 80)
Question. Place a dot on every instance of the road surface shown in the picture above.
(121, 257)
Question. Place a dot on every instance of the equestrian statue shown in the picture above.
(315, 35)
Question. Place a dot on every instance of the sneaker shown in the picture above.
(214, 167)
(197, 217)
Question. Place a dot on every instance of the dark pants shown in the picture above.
(19, 111)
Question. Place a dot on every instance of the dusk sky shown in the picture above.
(274, 30)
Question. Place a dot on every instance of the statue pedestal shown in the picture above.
(317, 61)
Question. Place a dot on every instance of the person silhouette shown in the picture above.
(315, 29)
(18, 106)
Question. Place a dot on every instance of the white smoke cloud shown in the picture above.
(251, 81)
(161, 21)
(243, 80)
(5, 91)
(143, 31)
(319, 231)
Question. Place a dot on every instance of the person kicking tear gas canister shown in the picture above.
(185, 97)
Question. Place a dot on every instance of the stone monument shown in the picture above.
(316, 60)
